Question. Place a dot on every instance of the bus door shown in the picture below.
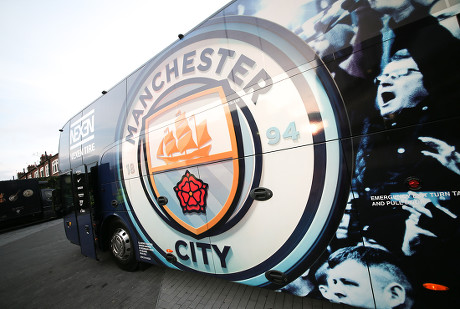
(68, 207)
(84, 201)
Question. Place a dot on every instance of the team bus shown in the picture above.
(26, 201)
(305, 146)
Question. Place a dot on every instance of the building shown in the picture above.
(49, 166)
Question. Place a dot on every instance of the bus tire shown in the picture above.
(122, 248)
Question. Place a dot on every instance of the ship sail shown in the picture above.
(167, 145)
(181, 125)
(202, 133)
(181, 140)
(186, 142)
(184, 134)
(170, 144)
(160, 152)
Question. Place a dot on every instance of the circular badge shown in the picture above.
(240, 105)
(28, 193)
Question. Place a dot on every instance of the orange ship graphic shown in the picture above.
(179, 144)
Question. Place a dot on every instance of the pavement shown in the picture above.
(40, 268)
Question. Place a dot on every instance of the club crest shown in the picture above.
(224, 113)
(191, 137)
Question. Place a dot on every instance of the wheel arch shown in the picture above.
(106, 228)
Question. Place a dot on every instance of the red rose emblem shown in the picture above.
(191, 193)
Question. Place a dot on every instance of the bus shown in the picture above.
(26, 201)
(305, 146)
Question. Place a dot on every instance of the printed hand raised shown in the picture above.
(443, 152)
(418, 206)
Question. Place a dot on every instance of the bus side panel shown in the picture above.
(99, 126)
(19, 198)
(64, 149)
(292, 227)
(258, 106)
(417, 197)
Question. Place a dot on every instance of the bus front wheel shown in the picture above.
(122, 248)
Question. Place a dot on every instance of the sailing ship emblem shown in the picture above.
(179, 144)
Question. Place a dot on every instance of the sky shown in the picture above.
(57, 56)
